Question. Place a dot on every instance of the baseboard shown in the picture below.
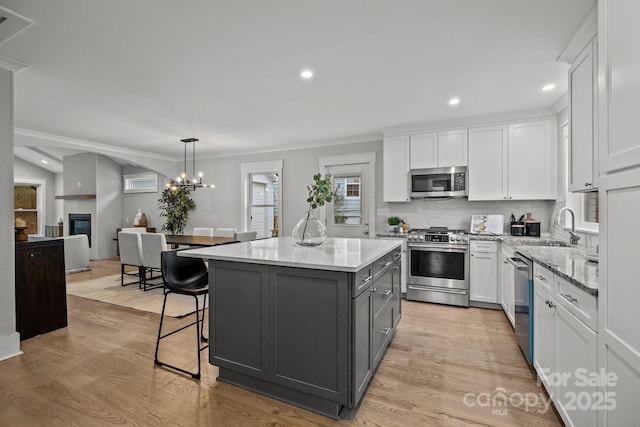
(492, 305)
(9, 345)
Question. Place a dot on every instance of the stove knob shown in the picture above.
(465, 239)
(453, 238)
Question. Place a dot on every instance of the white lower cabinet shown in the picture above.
(544, 336)
(565, 353)
(483, 277)
(577, 359)
(507, 291)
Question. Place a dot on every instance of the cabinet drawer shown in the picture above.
(362, 280)
(381, 264)
(483, 246)
(581, 304)
(545, 278)
(382, 331)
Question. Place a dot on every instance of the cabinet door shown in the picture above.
(362, 327)
(487, 163)
(452, 148)
(531, 161)
(395, 177)
(577, 350)
(424, 150)
(582, 80)
(544, 336)
(507, 279)
(619, 97)
(483, 282)
(397, 296)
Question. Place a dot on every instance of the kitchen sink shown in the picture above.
(554, 243)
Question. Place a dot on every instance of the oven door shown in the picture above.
(440, 266)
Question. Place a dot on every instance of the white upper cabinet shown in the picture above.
(424, 150)
(531, 161)
(395, 162)
(619, 62)
(583, 104)
(452, 148)
(439, 149)
(513, 162)
(487, 163)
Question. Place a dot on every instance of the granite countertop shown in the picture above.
(335, 254)
(570, 263)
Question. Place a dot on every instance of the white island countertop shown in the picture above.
(335, 254)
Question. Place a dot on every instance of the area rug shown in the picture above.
(107, 289)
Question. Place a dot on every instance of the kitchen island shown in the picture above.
(306, 325)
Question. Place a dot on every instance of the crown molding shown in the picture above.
(580, 39)
(561, 104)
(90, 146)
(12, 65)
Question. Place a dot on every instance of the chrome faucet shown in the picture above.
(573, 240)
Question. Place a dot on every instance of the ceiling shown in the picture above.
(141, 75)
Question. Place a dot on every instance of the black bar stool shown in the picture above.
(184, 276)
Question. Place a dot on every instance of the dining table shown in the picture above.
(202, 241)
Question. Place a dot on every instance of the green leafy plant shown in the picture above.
(393, 220)
(175, 204)
(320, 192)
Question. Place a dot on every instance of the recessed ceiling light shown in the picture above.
(454, 101)
(44, 161)
(548, 87)
(306, 74)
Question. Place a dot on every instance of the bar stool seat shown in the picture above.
(184, 276)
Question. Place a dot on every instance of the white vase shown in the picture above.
(309, 231)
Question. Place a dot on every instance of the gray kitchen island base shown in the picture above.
(309, 334)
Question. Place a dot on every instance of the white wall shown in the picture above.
(9, 338)
(108, 206)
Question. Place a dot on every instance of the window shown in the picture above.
(584, 205)
(261, 190)
(347, 205)
(140, 183)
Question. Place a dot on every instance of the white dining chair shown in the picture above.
(130, 256)
(225, 232)
(153, 244)
(245, 236)
(203, 231)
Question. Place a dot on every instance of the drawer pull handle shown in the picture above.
(386, 293)
(539, 277)
(398, 256)
(569, 298)
(549, 303)
(366, 279)
(396, 268)
(386, 264)
(386, 331)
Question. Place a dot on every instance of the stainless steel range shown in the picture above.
(438, 266)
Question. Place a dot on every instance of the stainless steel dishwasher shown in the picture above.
(523, 290)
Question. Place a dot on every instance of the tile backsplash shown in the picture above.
(456, 213)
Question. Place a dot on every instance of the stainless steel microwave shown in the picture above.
(439, 182)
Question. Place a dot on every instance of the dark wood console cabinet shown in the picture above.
(41, 297)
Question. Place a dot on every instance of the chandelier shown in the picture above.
(182, 182)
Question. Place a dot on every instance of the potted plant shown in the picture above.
(309, 231)
(175, 204)
(393, 222)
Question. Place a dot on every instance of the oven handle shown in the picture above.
(518, 264)
(438, 248)
(435, 288)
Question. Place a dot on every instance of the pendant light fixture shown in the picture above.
(182, 181)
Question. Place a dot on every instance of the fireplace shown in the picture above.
(80, 224)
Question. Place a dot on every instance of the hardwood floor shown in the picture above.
(445, 367)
